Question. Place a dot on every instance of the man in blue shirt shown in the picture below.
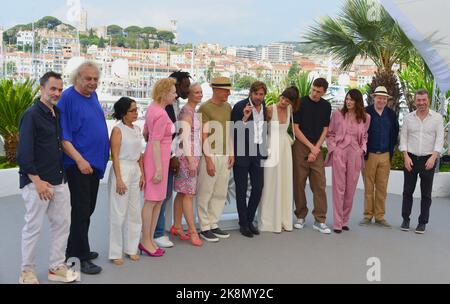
(86, 147)
(44, 189)
(382, 138)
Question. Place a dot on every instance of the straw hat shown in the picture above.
(221, 83)
(380, 91)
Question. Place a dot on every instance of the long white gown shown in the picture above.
(276, 206)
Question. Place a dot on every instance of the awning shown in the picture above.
(426, 23)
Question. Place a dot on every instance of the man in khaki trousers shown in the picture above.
(216, 162)
(311, 123)
(383, 136)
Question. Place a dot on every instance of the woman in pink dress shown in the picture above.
(190, 150)
(159, 128)
(347, 144)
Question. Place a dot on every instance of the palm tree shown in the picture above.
(301, 80)
(15, 98)
(359, 32)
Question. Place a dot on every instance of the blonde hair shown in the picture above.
(162, 88)
(77, 72)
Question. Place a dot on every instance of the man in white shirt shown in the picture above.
(249, 117)
(421, 141)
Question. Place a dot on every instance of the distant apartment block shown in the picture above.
(278, 53)
(82, 24)
(246, 53)
(24, 38)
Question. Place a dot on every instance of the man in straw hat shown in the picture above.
(383, 136)
(216, 162)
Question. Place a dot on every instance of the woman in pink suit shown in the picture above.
(157, 154)
(347, 144)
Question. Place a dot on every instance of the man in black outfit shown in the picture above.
(250, 129)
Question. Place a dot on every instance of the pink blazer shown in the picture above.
(336, 134)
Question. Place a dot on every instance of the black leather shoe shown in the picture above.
(87, 267)
(253, 229)
(245, 231)
(405, 225)
(93, 255)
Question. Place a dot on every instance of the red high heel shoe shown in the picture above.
(195, 239)
(157, 253)
(178, 232)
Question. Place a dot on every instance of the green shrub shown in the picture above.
(6, 165)
(397, 162)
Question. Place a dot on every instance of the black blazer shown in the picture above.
(393, 139)
(239, 129)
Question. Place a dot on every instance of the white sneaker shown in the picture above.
(322, 228)
(28, 277)
(164, 242)
(62, 274)
(299, 224)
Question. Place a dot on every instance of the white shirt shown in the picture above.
(422, 138)
(132, 142)
(176, 140)
(258, 123)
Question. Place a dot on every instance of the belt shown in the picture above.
(425, 157)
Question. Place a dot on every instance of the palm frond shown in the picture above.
(15, 98)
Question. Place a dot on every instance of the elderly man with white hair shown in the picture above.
(86, 146)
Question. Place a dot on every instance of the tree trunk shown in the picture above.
(409, 97)
(387, 79)
(11, 143)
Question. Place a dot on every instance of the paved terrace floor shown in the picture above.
(303, 256)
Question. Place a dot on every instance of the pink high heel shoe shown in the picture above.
(157, 253)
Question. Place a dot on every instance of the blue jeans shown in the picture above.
(160, 226)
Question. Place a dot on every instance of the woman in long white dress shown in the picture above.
(276, 206)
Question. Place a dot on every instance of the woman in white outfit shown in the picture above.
(277, 199)
(126, 179)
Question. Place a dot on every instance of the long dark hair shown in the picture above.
(360, 112)
(293, 95)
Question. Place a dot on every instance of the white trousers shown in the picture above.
(58, 211)
(212, 192)
(125, 212)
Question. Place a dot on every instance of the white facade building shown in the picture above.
(280, 52)
(24, 38)
(246, 53)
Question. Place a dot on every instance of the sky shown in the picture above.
(230, 22)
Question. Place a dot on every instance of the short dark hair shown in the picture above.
(421, 92)
(44, 79)
(121, 107)
(321, 83)
(179, 76)
(258, 85)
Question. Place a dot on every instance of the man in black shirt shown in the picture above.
(40, 157)
(311, 123)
